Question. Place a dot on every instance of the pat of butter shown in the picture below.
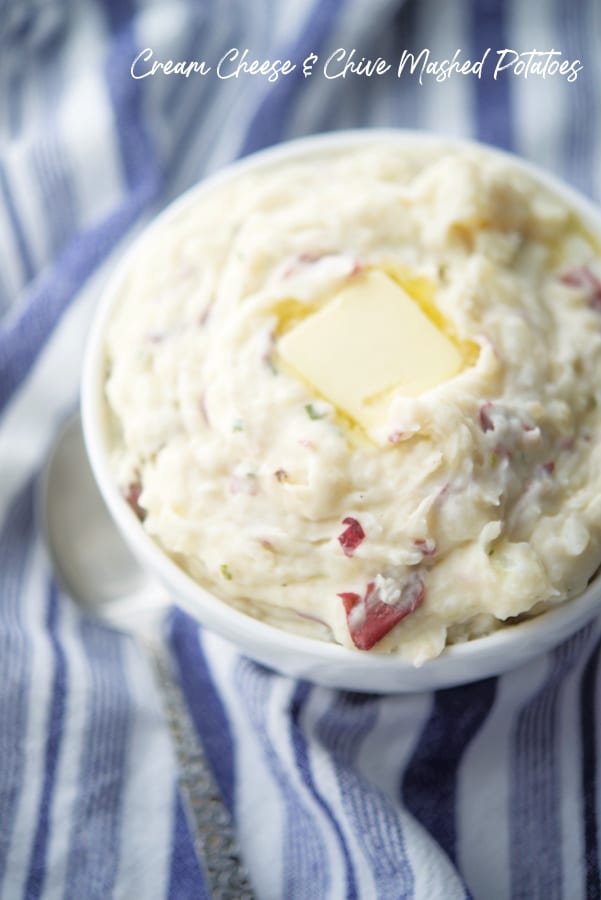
(371, 342)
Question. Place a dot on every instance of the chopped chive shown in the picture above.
(225, 571)
(312, 412)
(238, 425)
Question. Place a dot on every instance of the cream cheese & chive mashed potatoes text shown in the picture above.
(356, 394)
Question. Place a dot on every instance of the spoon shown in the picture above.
(90, 559)
(93, 564)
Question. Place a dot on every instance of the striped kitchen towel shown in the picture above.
(488, 790)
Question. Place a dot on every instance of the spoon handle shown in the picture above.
(74, 519)
(215, 839)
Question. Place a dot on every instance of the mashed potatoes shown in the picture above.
(466, 505)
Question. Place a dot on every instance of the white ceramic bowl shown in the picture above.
(302, 657)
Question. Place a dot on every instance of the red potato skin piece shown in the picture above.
(132, 497)
(396, 437)
(301, 259)
(502, 452)
(352, 536)
(426, 548)
(380, 617)
(486, 423)
(583, 278)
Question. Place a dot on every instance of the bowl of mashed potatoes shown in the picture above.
(343, 399)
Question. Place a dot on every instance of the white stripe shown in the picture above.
(223, 127)
(34, 593)
(23, 183)
(231, 117)
(592, 62)
(445, 106)
(325, 776)
(214, 136)
(234, 102)
(148, 798)
(352, 30)
(435, 876)
(165, 29)
(596, 787)
(49, 392)
(42, 401)
(569, 751)
(382, 106)
(72, 742)
(257, 801)
(384, 754)
(286, 22)
(386, 750)
(85, 120)
(484, 785)
(278, 732)
(239, 99)
(540, 104)
(12, 270)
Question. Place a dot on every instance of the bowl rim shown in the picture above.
(208, 608)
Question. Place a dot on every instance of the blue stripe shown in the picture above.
(535, 796)
(582, 98)
(590, 789)
(197, 27)
(304, 858)
(430, 780)
(13, 97)
(535, 801)
(139, 157)
(362, 105)
(407, 107)
(56, 719)
(579, 166)
(352, 103)
(203, 98)
(186, 881)
(6, 297)
(269, 121)
(203, 702)
(96, 823)
(48, 157)
(301, 754)
(494, 122)
(23, 337)
(42, 65)
(15, 663)
(56, 192)
(373, 815)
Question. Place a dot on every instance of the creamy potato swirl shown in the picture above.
(480, 501)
